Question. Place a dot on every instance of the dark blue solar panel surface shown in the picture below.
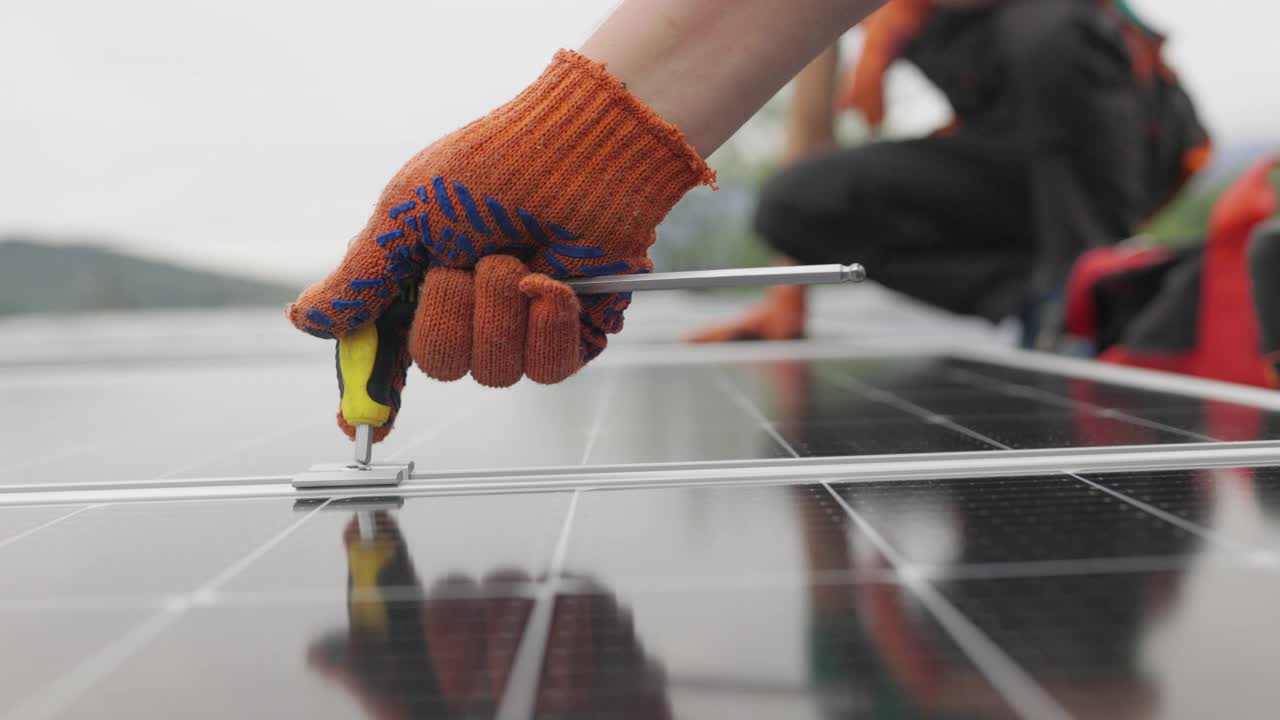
(616, 415)
(682, 601)
(1098, 595)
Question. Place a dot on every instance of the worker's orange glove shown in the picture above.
(887, 33)
(569, 179)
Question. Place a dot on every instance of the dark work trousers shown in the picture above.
(1046, 163)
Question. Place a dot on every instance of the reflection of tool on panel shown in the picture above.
(365, 357)
(375, 559)
(382, 653)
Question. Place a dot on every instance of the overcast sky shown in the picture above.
(256, 134)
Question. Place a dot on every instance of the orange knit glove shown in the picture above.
(568, 179)
(888, 31)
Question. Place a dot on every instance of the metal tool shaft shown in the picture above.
(704, 279)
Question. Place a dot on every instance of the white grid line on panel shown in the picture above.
(887, 398)
(610, 389)
(1135, 564)
(1021, 390)
(1252, 555)
(51, 699)
(1022, 693)
(740, 398)
(1019, 690)
(1261, 558)
(48, 524)
(521, 694)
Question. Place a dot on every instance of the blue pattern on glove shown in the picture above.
(414, 247)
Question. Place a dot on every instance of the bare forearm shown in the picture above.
(707, 65)
(810, 118)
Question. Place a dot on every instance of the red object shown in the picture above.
(1081, 315)
(1227, 327)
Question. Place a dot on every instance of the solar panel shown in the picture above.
(817, 529)
(677, 413)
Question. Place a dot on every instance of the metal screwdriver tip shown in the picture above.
(364, 445)
(367, 525)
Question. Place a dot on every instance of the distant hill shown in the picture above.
(40, 277)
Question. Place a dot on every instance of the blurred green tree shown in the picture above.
(1184, 221)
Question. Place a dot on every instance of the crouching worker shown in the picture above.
(1069, 131)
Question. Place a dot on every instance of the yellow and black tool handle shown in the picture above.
(368, 361)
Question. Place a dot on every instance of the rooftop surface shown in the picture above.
(897, 518)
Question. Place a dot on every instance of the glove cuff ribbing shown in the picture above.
(578, 148)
